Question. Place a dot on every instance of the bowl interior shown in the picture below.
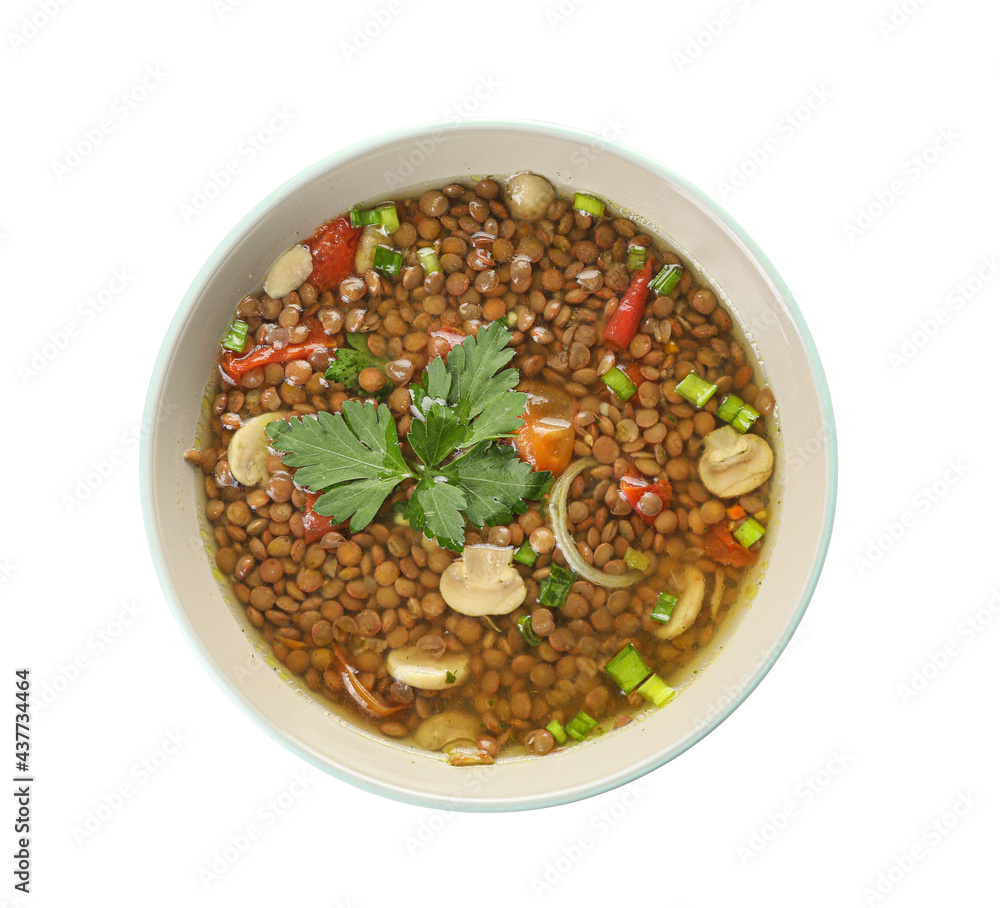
(804, 482)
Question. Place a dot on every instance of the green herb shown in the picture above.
(387, 261)
(449, 677)
(655, 689)
(555, 729)
(555, 588)
(580, 725)
(461, 409)
(695, 390)
(628, 669)
(636, 257)
(527, 631)
(635, 559)
(666, 280)
(236, 337)
(588, 204)
(526, 555)
(664, 607)
(741, 416)
(748, 532)
(346, 363)
(620, 383)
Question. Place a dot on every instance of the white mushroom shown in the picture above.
(717, 591)
(529, 195)
(734, 464)
(447, 730)
(368, 242)
(288, 272)
(247, 455)
(483, 582)
(418, 668)
(687, 606)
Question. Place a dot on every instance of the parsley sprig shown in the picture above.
(461, 410)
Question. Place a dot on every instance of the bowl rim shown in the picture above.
(415, 131)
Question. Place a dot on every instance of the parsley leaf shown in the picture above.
(435, 436)
(436, 508)
(496, 483)
(346, 363)
(476, 383)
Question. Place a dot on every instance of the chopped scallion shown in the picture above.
(627, 669)
(580, 725)
(450, 678)
(695, 390)
(526, 554)
(655, 689)
(555, 588)
(748, 532)
(524, 626)
(635, 559)
(664, 607)
(636, 257)
(369, 218)
(555, 729)
(619, 383)
(666, 280)
(428, 258)
(588, 204)
(741, 416)
(388, 217)
(387, 260)
(745, 418)
(729, 407)
(236, 337)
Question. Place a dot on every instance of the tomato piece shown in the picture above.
(332, 246)
(721, 547)
(633, 486)
(316, 526)
(443, 341)
(545, 443)
(633, 370)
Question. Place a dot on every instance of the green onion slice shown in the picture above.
(636, 257)
(730, 406)
(428, 258)
(555, 729)
(695, 390)
(387, 216)
(236, 336)
(526, 554)
(387, 260)
(748, 532)
(627, 669)
(580, 725)
(745, 418)
(666, 280)
(635, 559)
(655, 689)
(588, 204)
(524, 626)
(555, 588)
(619, 383)
(664, 607)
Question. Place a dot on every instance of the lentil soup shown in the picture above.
(486, 466)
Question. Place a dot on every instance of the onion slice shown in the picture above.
(560, 528)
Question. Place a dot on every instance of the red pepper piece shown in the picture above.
(633, 486)
(624, 321)
(633, 370)
(237, 365)
(369, 703)
(316, 526)
(332, 247)
(721, 547)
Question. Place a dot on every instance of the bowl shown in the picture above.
(803, 487)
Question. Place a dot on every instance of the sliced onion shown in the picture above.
(560, 528)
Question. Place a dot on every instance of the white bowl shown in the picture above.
(803, 487)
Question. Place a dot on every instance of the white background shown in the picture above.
(863, 769)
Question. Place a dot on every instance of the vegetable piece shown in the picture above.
(635, 560)
(332, 248)
(664, 607)
(236, 336)
(580, 725)
(316, 340)
(316, 526)
(627, 669)
(545, 437)
(347, 363)
(247, 453)
(557, 731)
(732, 464)
(735, 512)
(634, 488)
(363, 218)
(730, 406)
(555, 588)
(722, 548)
(387, 261)
(588, 204)
(526, 555)
(420, 669)
(624, 321)
(529, 195)
(636, 257)
(745, 418)
(619, 383)
(447, 730)
(557, 512)
(741, 416)
(688, 604)
(364, 256)
(666, 280)
(655, 689)
(288, 272)
(429, 259)
(695, 390)
(369, 703)
(527, 632)
(748, 532)
(483, 582)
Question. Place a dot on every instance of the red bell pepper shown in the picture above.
(721, 547)
(332, 247)
(316, 526)
(237, 365)
(633, 486)
(624, 321)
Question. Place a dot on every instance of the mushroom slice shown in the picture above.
(289, 272)
(248, 451)
(734, 464)
(529, 195)
(687, 607)
(483, 582)
(446, 731)
(364, 255)
(717, 591)
(418, 668)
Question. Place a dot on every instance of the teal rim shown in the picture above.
(752, 250)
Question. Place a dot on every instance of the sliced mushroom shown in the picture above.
(717, 591)
(248, 451)
(447, 730)
(483, 582)
(734, 464)
(364, 255)
(529, 195)
(688, 605)
(418, 668)
(289, 272)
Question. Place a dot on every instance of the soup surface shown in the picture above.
(486, 466)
